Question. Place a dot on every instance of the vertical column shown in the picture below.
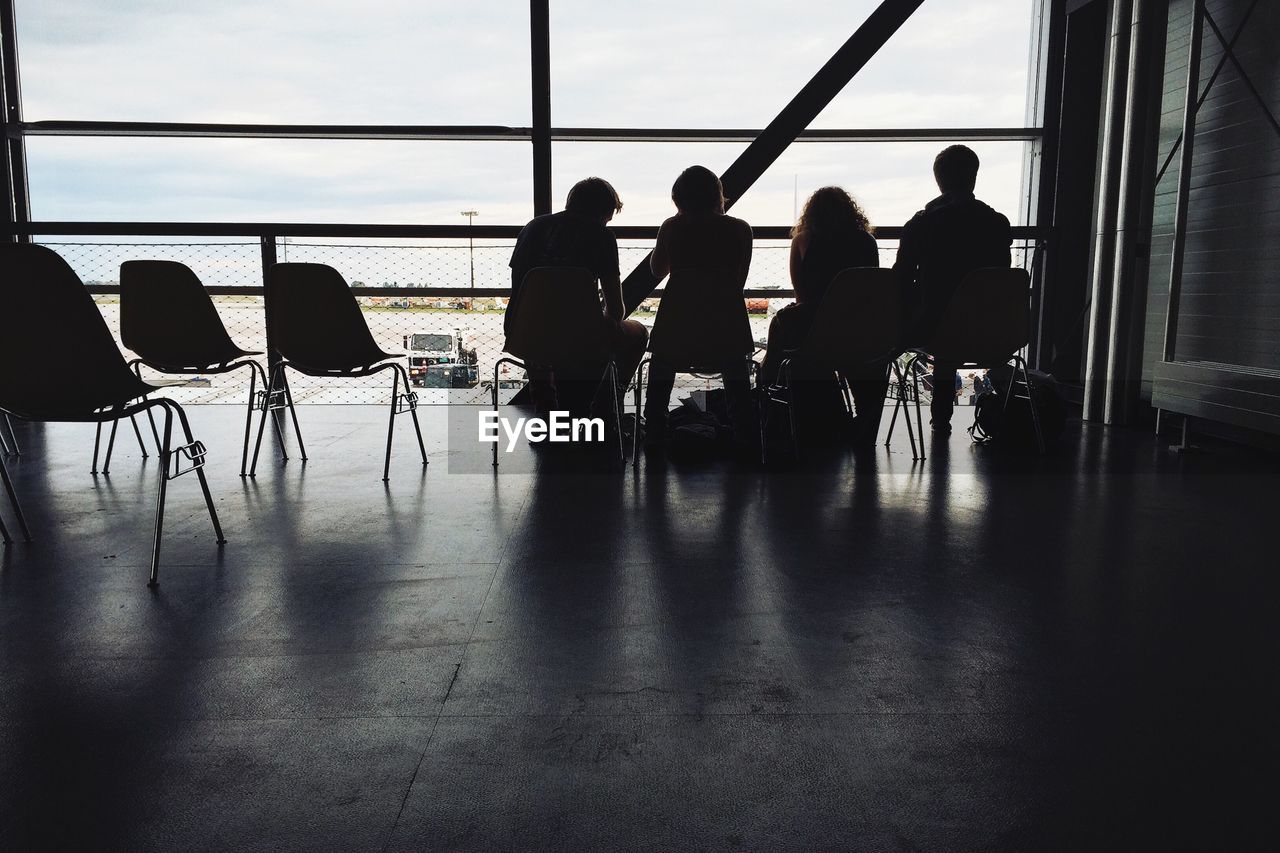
(268, 261)
(540, 55)
(1110, 156)
(1133, 225)
(16, 203)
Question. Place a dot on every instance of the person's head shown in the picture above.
(594, 198)
(698, 190)
(956, 169)
(830, 210)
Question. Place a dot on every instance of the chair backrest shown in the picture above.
(558, 320)
(167, 317)
(56, 352)
(702, 320)
(860, 320)
(987, 320)
(313, 319)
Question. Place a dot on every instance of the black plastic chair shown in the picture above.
(682, 337)
(43, 301)
(986, 324)
(858, 326)
(559, 323)
(316, 327)
(169, 321)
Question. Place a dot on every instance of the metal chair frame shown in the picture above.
(258, 400)
(782, 394)
(1019, 366)
(279, 397)
(610, 374)
(175, 461)
(688, 370)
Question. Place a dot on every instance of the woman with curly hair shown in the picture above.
(831, 235)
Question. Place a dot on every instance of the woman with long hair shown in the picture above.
(832, 234)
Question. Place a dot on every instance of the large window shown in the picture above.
(955, 63)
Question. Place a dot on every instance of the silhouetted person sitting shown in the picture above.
(578, 237)
(707, 254)
(954, 235)
(831, 235)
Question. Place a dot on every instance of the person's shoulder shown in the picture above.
(739, 225)
(990, 212)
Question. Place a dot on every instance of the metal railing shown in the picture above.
(409, 280)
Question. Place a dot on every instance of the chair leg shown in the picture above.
(915, 368)
(13, 501)
(1031, 402)
(267, 385)
(4, 533)
(293, 413)
(413, 413)
(791, 410)
(137, 433)
(494, 389)
(160, 496)
(639, 398)
(248, 423)
(612, 374)
(5, 446)
(204, 482)
(111, 444)
(97, 442)
(391, 423)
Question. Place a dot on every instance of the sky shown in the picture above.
(956, 63)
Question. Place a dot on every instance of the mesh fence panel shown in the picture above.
(451, 342)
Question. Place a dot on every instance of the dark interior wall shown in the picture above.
(1229, 305)
(1066, 292)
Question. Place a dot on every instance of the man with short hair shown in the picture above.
(954, 235)
(578, 236)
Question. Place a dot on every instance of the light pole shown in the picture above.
(471, 250)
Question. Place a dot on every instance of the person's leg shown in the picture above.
(657, 400)
(944, 396)
(541, 390)
(630, 341)
(741, 402)
(868, 389)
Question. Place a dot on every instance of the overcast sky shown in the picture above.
(957, 63)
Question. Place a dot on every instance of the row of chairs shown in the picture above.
(861, 324)
(314, 325)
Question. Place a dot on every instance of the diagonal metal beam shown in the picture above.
(1213, 78)
(855, 53)
(1244, 75)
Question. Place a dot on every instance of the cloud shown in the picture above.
(662, 64)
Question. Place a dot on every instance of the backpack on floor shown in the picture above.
(694, 434)
(1013, 427)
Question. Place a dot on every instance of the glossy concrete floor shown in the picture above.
(979, 652)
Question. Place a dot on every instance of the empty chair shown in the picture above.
(557, 325)
(986, 323)
(857, 330)
(43, 301)
(702, 327)
(168, 320)
(315, 325)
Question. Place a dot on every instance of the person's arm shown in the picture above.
(611, 279)
(1006, 238)
(660, 260)
(907, 264)
(799, 245)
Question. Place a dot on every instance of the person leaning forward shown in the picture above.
(578, 236)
